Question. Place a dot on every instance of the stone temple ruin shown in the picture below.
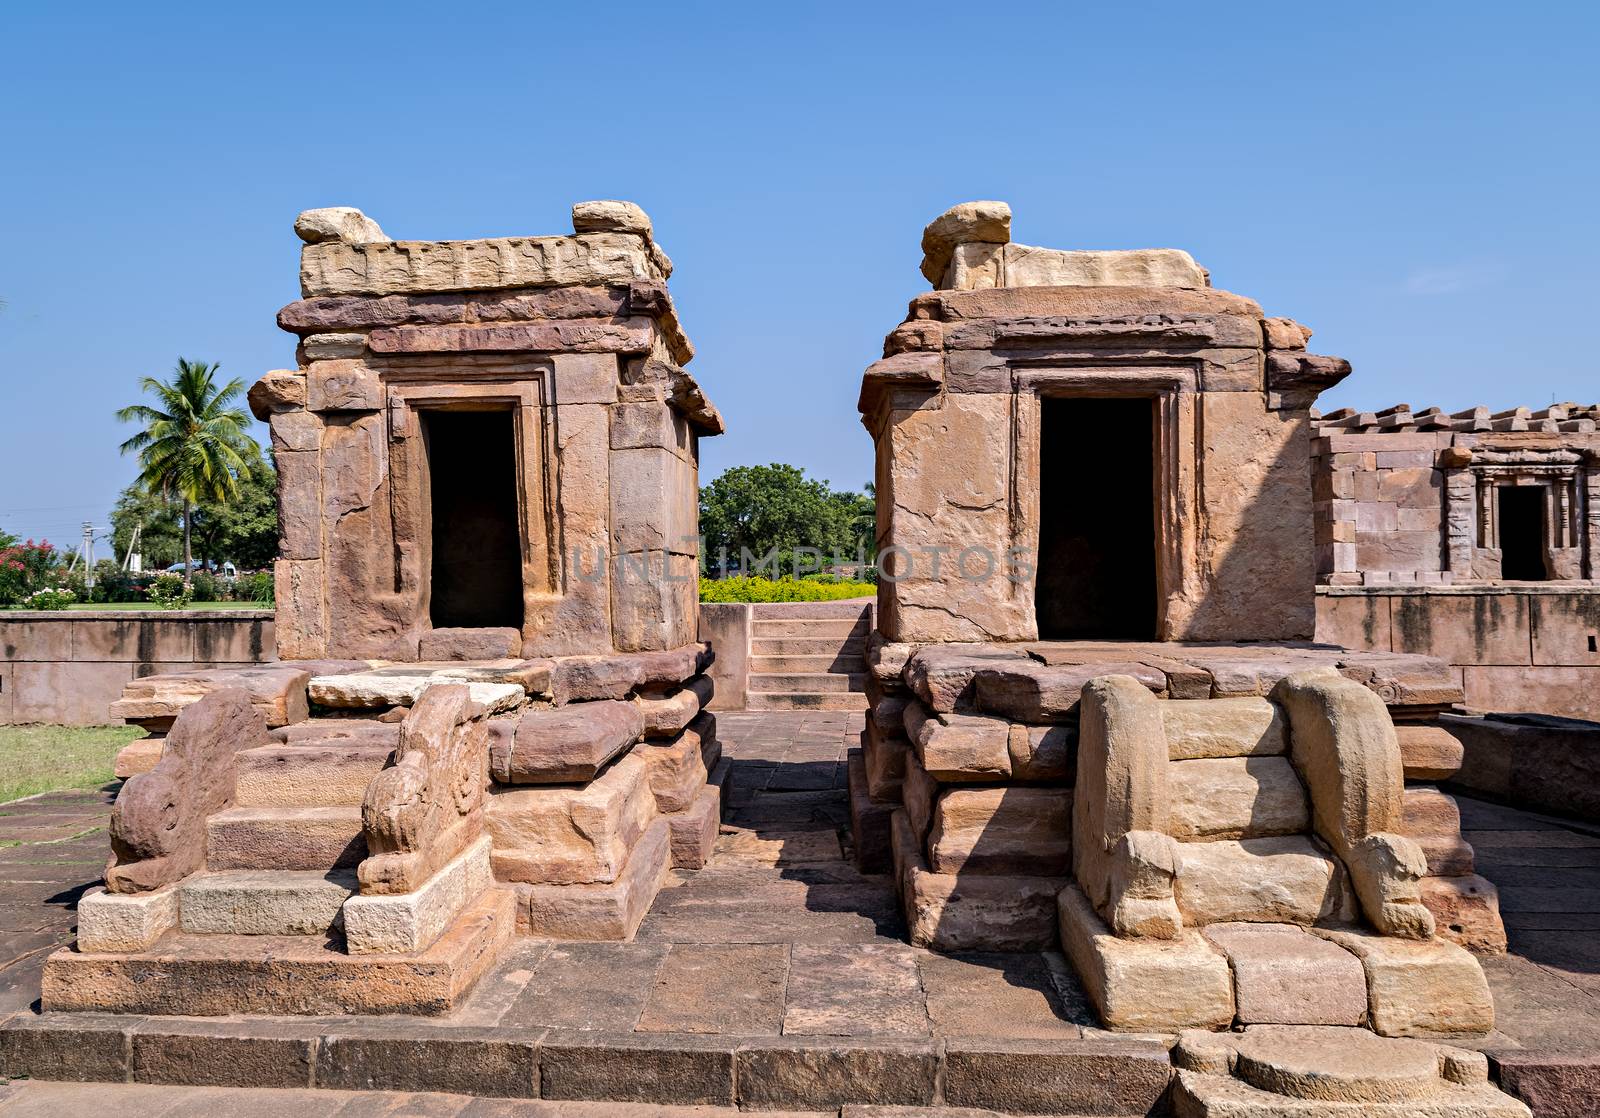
(488, 461)
(1087, 464)
(1097, 717)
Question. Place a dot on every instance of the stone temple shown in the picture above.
(1098, 720)
(1096, 717)
(488, 715)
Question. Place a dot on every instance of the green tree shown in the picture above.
(244, 530)
(776, 509)
(194, 444)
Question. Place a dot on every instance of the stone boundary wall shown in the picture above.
(1523, 649)
(68, 667)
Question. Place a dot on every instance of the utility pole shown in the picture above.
(133, 561)
(88, 554)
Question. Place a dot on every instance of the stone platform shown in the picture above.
(778, 977)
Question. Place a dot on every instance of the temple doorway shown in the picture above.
(477, 553)
(1097, 531)
(1522, 532)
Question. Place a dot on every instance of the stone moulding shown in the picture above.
(427, 807)
(158, 825)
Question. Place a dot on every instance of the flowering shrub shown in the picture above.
(169, 592)
(24, 568)
(53, 597)
(751, 588)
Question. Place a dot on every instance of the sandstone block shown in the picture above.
(1246, 726)
(918, 792)
(1419, 987)
(281, 390)
(967, 223)
(601, 911)
(1283, 880)
(403, 685)
(1466, 910)
(941, 675)
(138, 757)
(1043, 753)
(337, 223)
(1433, 820)
(332, 347)
(667, 711)
(870, 822)
(311, 775)
(884, 756)
(470, 644)
(263, 902)
(565, 834)
(1027, 691)
(677, 768)
(1143, 983)
(564, 744)
(343, 385)
(693, 831)
(406, 923)
(125, 922)
(1236, 797)
(959, 747)
(981, 912)
(278, 691)
(1429, 752)
(1283, 975)
(290, 838)
(1011, 830)
(588, 678)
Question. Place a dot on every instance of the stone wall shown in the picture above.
(1524, 649)
(67, 668)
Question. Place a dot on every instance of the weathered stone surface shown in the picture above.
(470, 644)
(563, 744)
(884, 758)
(601, 911)
(1283, 975)
(403, 686)
(1043, 753)
(1419, 987)
(1345, 1065)
(427, 808)
(1027, 266)
(125, 922)
(1344, 747)
(263, 902)
(1428, 752)
(332, 347)
(568, 834)
(1284, 880)
(959, 747)
(587, 678)
(337, 223)
(138, 757)
(569, 335)
(1143, 983)
(1027, 691)
(869, 821)
(967, 223)
(405, 923)
(1466, 910)
(1237, 727)
(343, 385)
(158, 825)
(693, 831)
(424, 267)
(278, 691)
(281, 390)
(1284, 333)
(677, 769)
(1122, 856)
(918, 792)
(1236, 797)
(610, 216)
(1103, 1075)
(533, 676)
(1008, 830)
(941, 675)
(666, 712)
(1433, 820)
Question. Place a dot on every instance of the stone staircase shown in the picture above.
(809, 655)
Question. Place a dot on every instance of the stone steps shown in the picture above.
(853, 609)
(285, 838)
(307, 775)
(823, 629)
(826, 700)
(263, 902)
(806, 682)
(839, 664)
(807, 646)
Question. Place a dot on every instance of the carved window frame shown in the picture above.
(1572, 509)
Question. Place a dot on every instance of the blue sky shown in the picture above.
(1417, 182)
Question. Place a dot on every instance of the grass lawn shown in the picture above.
(45, 758)
(152, 605)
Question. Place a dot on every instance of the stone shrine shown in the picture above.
(1097, 717)
(488, 716)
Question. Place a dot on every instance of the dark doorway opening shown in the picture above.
(477, 551)
(1097, 534)
(1522, 532)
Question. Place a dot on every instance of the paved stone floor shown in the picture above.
(779, 937)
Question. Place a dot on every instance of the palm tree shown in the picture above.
(194, 443)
